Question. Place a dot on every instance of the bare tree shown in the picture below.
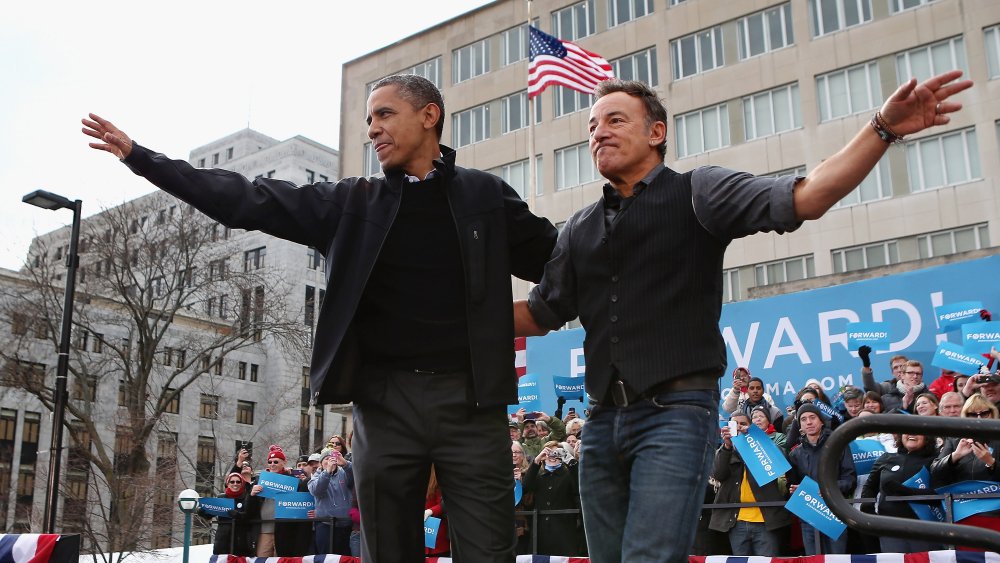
(159, 307)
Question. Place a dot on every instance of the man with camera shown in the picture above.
(554, 483)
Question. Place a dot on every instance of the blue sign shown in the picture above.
(527, 394)
(518, 492)
(978, 338)
(954, 357)
(865, 451)
(788, 339)
(431, 527)
(874, 335)
(761, 456)
(954, 315)
(828, 411)
(216, 506)
(808, 505)
(274, 484)
(293, 505)
(963, 508)
(570, 387)
(932, 512)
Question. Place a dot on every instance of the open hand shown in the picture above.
(914, 107)
(112, 139)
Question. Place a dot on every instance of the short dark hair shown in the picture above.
(655, 110)
(757, 379)
(418, 92)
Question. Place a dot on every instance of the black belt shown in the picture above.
(620, 395)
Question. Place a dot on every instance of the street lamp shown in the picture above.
(51, 201)
(187, 501)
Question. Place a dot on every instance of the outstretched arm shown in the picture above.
(911, 108)
(112, 139)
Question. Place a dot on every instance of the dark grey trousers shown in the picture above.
(403, 423)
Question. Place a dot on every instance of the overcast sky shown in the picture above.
(174, 76)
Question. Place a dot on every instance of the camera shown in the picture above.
(988, 378)
(555, 453)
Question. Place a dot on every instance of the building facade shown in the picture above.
(227, 314)
(766, 86)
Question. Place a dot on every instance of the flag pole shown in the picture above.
(532, 173)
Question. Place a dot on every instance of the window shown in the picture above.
(517, 175)
(85, 388)
(315, 259)
(785, 270)
(219, 232)
(896, 6)
(470, 61)
(19, 323)
(310, 176)
(370, 165)
(765, 31)
(848, 91)
(514, 42)
(637, 66)
(82, 339)
(431, 70)
(254, 259)
(215, 159)
(865, 256)
(771, 112)
(828, 16)
(574, 167)
(569, 101)
(201, 163)
(254, 371)
(470, 126)
(21, 373)
(574, 21)
(241, 371)
(514, 112)
(952, 241)
(943, 160)
(991, 42)
(209, 406)
(310, 305)
(252, 312)
(621, 11)
(173, 399)
(876, 185)
(698, 52)
(244, 412)
(702, 130)
(730, 285)
(676, 2)
(217, 366)
(205, 466)
(925, 62)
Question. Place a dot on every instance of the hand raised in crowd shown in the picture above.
(542, 416)
(982, 451)
(520, 415)
(113, 139)
(570, 416)
(985, 315)
(427, 514)
(962, 449)
(242, 456)
(255, 490)
(338, 459)
(727, 438)
(864, 352)
(914, 107)
(517, 473)
(994, 353)
(540, 458)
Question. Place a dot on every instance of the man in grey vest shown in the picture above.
(642, 269)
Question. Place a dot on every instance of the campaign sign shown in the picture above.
(873, 335)
(570, 387)
(953, 315)
(527, 394)
(216, 506)
(828, 411)
(963, 508)
(954, 357)
(932, 512)
(808, 505)
(293, 505)
(865, 451)
(274, 484)
(431, 526)
(978, 338)
(761, 456)
(518, 492)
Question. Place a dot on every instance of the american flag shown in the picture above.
(520, 355)
(554, 61)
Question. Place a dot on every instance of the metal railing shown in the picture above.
(945, 533)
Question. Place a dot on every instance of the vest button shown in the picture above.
(614, 298)
(614, 318)
(614, 279)
(614, 340)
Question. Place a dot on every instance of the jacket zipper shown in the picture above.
(465, 266)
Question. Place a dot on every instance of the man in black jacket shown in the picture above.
(642, 269)
(416, 328)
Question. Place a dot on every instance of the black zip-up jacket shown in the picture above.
(348, 221)
(805, 461)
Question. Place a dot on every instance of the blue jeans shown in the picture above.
(753, 538)
(838, 545)
(643, 471)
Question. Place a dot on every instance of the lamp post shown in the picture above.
(51, 201)
(187, 501)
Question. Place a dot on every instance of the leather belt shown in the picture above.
(620, 395)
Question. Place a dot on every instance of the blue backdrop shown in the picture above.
(788, 339)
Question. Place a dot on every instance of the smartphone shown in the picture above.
(572, 410)
(296, 472)
(531, 416)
